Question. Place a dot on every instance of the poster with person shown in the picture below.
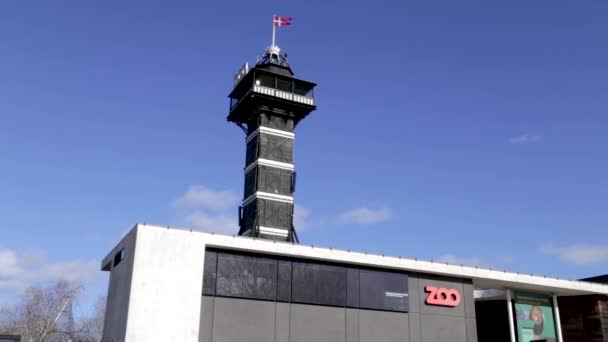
(534, 317)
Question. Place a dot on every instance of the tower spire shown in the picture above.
(274, 31)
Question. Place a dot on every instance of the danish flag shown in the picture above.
(280, 21)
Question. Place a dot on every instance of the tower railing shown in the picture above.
(283, 94)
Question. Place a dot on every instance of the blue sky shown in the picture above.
(464, 131)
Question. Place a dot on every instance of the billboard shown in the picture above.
(534, 317)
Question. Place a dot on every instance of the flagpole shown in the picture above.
(274, 28)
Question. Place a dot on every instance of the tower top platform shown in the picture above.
(270, 83)
(274, 61)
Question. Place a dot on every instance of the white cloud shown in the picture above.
(212, 223)
(9, 264)
(208, 210)
(300, 217)
(365, 216)
(21, 269)
(525, 139)
(466, 261)
(77, 270)
(579, 254)
(201, 197)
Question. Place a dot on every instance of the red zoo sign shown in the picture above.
(442, 296)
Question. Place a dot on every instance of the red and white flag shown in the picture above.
(281, 21)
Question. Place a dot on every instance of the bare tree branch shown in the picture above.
(44, 314)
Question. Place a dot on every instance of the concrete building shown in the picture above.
(157, 293)
(169, 284)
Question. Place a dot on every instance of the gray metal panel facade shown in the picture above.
(415, 328)
(281, 332)
(317, 323)
(381, 326)
(471, 329)
(468, 299)
(438, 328)
(414, 293)
(352, 325)
(242, 320)
(206, 324)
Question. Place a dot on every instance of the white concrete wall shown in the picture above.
(119, 290)
(166, 287)
(155, 292)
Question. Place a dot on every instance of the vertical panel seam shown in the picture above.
(289, 325)
(420, 323)
(275, 317)
(212, 319)
(359, 323)
(409, 328)
(466, 329)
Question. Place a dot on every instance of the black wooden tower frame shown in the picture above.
(268, 102)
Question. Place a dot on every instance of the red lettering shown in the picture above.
(442, 296)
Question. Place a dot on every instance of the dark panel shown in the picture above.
(265, 80)
(253, 122)
(492, 321)
(119, 257)
(249, 212)
(284, 84)
(274, 180)
(603, 279)
(284, 283)
(383, 291)
(281, 122)
(210, 273)
(352, 289)
(275, 213)
(304, 89)
(246, 276)
(250, 183)
(319, 284)
(584, 318)
(276, 148)
(252, 150)
(262, 277)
